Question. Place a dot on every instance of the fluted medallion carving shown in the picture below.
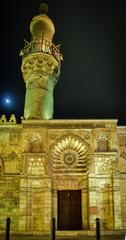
(70, 153)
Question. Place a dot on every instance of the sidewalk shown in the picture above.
(20, 237)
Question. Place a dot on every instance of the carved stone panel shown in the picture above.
(35, 166)
(14, 138)
(66, 183)
(104, 164)
(33, 143)
(69, 154)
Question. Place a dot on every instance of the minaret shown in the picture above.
(40, 67)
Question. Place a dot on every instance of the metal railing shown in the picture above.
(42, 46)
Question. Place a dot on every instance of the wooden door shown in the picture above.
(69, 210)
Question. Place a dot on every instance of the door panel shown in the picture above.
(69, 210)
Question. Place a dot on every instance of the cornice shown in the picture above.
(9, 127)
(71, 123)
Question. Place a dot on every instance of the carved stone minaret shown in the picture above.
(40, 67)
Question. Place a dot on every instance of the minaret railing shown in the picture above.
(41, 46)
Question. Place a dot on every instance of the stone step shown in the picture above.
(28, 237)
(94, 238)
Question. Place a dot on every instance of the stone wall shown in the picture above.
(10, 158)
(122, 171)
(35, 204)
(39, 158)
(9, 201)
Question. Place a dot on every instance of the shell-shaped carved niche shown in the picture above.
(102, 143)
(69, 154)
(36, 143)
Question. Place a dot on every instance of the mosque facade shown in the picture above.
(70, 170)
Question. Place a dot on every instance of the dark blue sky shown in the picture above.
(92, 34)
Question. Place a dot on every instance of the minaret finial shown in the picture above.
(43, 8)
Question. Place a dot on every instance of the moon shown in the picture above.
(7, 100)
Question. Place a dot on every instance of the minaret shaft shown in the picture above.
(40, 69)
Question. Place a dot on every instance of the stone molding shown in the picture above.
(70, 123)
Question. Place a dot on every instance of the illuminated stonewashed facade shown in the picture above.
(41, 161)
(72, 170)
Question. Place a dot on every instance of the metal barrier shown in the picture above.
(97, 229)
(53, 234)
(7, 235)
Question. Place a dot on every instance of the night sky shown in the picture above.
(92, 34)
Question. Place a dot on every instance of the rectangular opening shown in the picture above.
(69, 210)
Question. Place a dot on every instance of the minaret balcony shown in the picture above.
(42, 46)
